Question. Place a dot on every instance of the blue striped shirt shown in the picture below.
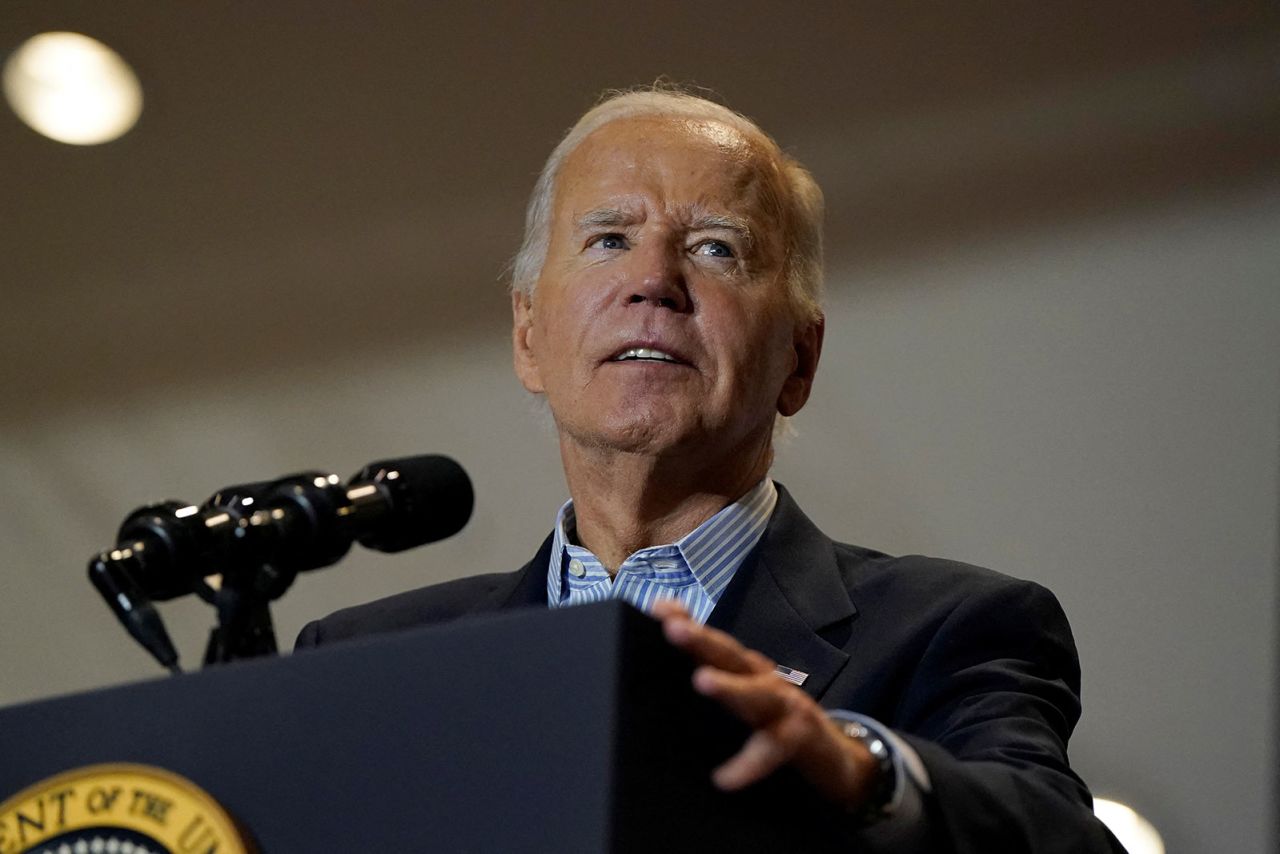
(695, 569)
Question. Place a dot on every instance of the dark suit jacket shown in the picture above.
(976, 670)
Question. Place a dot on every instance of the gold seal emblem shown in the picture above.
(117, 809)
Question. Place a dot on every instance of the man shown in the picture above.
(665, 303)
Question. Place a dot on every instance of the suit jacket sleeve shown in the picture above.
(976, 670)
(309, 636)
(989, 709)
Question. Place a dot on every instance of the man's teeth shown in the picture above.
(644, 353)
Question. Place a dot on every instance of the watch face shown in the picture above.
(879, 800)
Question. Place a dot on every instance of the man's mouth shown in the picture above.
(645, 354)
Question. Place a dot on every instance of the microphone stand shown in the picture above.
(244, 628)
(242, 595)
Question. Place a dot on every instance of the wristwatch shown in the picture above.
(876, 807)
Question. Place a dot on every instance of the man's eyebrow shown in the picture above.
(735, 224)
(603, 217)
(615, 218)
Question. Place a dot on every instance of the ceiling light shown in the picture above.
(72, 88)
(1135, 833)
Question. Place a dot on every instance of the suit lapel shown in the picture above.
(526, 587)
(786, 595)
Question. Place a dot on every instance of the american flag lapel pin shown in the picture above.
(795, 677)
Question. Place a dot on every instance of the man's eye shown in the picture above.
(714, 248)
(609, 241)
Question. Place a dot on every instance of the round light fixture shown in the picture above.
(72, 88)
(1136, 834)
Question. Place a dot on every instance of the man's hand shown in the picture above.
(789, 727)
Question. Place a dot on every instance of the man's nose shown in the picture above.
(657, 279)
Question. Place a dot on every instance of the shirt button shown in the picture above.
(576, 569)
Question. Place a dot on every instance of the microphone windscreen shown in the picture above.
(429, 496)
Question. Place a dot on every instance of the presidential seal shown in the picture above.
(117, 809)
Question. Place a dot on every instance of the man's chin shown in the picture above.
(635, 435)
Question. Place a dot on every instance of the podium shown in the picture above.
(574, 730)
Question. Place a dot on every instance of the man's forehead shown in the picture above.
(643, 137)
(606, 177)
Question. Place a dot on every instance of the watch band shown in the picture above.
(876, 807)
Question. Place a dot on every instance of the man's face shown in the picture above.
(660, 323)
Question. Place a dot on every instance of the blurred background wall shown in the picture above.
(1053, 316)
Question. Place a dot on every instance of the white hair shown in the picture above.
(800, 202)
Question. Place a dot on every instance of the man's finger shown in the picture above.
(756, 698)
(664, 608)
(712, 646)
(760, 756)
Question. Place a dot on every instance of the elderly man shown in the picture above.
(665, 303)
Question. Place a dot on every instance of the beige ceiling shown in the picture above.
(312, 183)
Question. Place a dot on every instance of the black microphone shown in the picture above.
(131, 607)
(310, 520)
(422, 499)
(300, 522)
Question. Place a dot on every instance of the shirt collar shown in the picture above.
(714, 550)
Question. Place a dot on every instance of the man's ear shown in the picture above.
(808, 349)
(521, 342)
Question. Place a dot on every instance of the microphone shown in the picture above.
(131, 607)
(421, 500)
(299, 522)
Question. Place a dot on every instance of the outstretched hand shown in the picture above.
(788, 727)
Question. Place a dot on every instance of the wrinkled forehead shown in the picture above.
(705, 161)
